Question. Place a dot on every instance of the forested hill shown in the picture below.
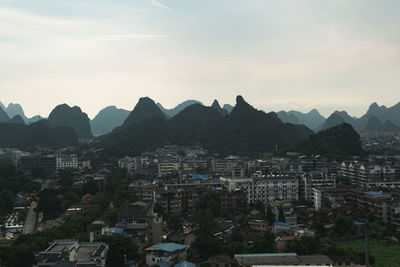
(339, 142)
(245, 130)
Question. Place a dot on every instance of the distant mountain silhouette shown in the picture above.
(375, 118)
(64, 115)
(16, 109)
(333, 120)
(382, 113)
(34, 119)
(228, 107)
(339, 117)
(146, 108)
(17, 119)
(375, 125)
(215, 105)
(244, 131)
(108, 119)
(338, 142)
(172, 112)
(2, 106)
(36, 134)
(3, 115)
(312, 119)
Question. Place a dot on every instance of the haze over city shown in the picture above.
(280, 55)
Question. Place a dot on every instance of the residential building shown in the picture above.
(29, 163)
(167, 253)
(281, 259)
(267, 189)
(65, 161)
(74, 253)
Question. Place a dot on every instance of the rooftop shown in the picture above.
(168, 247)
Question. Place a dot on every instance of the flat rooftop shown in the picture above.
(62, 245)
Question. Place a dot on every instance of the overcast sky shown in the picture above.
(280, 55)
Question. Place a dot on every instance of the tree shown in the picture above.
(306, 245)
(266, 244)
(210, 201)
(70, 198)
(49, 203)
(270, 216)
(6, 201)
(259, 206)
(174, 222)
(326, 203)
(39, 172)
(205, 221)
(238, 248)
(343, 225)
(120, 247)
(207, 246)
(237, 237)
(318, 227)
(281, 215)
(111, 216)
(102, 200)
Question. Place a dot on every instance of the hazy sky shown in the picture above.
(278, 54)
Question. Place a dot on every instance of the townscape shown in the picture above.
(199, 195)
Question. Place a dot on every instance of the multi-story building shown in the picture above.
(267, 189)
(29, 163)
(315, 180)
(73, 253)
(64, 161)
(165, 168)
(134, 164)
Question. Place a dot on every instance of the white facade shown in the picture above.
(66, 162)
(317, 198)
(270, 188)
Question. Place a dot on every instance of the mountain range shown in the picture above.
(312, 119)
(13, 110)
(243, 130)
(377, 118)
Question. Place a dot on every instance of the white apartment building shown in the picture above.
(64, 161)
(267, 189)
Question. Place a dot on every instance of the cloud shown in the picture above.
(156, 3)
(121, 37)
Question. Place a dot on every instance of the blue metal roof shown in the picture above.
(168, 247)
(199, 176)
(115, 230)
(185, 264)
(377, 194)
(281, 223)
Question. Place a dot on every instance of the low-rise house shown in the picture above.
(96, 229)
(281, 259)
(167, 253)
